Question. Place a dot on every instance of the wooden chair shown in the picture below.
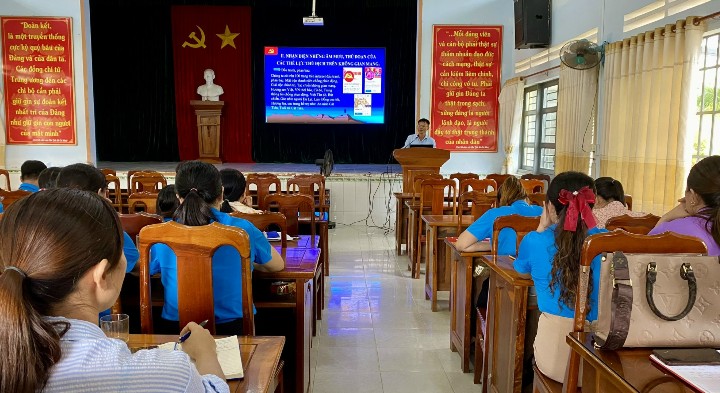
(433, 196)
(264, 221)
(4, 172)
(309, 185)
(148, 199)
(146, 181)
(133, 223)
(108, 171)
(459, 177)
(628, 201)
(116, 195)
(418, 181)
(533, 186)
(536, 177)
(637, 225)
(522, 226)
(482, 185)
(262, 182)
(194, 247)
(291, 206)
(537, 199)
(499, 179)
(665, 243)
(474, 202)
(9, 197)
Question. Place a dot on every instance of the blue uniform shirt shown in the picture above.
(225, 266)
(29, 187)
(131, 252)
(483, 226)
(535, 258)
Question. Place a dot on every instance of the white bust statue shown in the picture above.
(210, 91)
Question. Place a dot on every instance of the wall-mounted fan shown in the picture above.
(581, 54)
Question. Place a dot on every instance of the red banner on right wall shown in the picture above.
(466, 62)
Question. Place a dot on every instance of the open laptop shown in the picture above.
(420, 145)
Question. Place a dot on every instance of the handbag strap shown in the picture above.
(687, 274)
(622, 299)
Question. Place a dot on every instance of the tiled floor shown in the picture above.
(378, 333)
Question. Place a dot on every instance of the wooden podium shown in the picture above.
(417, 160)
(208, 123)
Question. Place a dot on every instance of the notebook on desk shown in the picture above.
(704, 378)
(228, 353)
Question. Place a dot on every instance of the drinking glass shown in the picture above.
(116, 326)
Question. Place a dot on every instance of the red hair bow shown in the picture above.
(578, 203)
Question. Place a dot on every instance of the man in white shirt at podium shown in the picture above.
(421, 137)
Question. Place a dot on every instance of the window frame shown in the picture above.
(713, 113)
(538, 144)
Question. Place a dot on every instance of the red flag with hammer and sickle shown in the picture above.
(217, 38)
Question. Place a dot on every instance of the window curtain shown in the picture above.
(646, 110)
(577, 98)
(511, 104)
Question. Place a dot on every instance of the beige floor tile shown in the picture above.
(463, 382)
(346, 337)
(347, 360)
(407, 359)
(415, 382)
(356, 382)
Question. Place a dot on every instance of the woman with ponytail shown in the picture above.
(610, 201)
(551, 257)
(698, 213)
(200, 193)
(53, 284)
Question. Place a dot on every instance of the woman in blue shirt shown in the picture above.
(53, 284)
(167, 202)
(551, 257)
(199, 191)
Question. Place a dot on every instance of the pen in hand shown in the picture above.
(187, 335)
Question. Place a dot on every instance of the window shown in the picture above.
(537, 146)
(705, 142)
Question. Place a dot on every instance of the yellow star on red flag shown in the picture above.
(227, 37)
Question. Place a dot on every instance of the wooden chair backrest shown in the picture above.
(628, 201)
(263, 182)
(4, 172)
(308, 185)
(291, 206)
(116, 192)
(664, 243)
(481, 185)
(499, 178)
(637, 225)
(533, 186)
(147, 181)
(263, 221)
(149, 199)
(537, 177)
(108, 171)
(520, 224)
(459, 177)
(419, 179)
(194, 248)
(132, 223)
(474, 202)
(9, 197)
(537, 199)
(434, 193)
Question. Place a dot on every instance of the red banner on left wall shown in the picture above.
(37, 62)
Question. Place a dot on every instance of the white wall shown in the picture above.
(57, 155)
(465, 12)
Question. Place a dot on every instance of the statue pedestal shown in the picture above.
(208, 115)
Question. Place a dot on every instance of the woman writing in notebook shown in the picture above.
(52, 287)
(551, 257)
(199, 190)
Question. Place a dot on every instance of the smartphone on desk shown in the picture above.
(688, 356)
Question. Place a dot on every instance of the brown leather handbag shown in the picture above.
(658, 300)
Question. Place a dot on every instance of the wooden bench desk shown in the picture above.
(302, 265)
(412, 231)
(260, 358)
(437, 270)
(401, 221)
(625, 370)
(506, 326)
(461, 301)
